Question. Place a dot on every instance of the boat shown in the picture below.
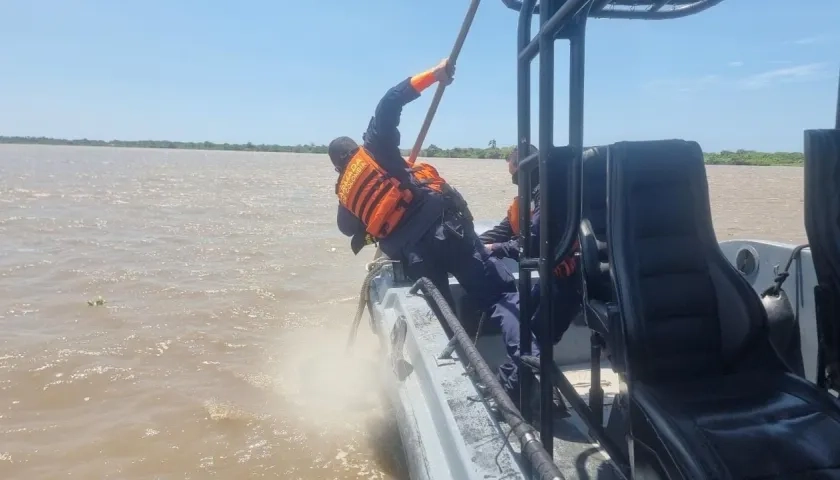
(691, 359)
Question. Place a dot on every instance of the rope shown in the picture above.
(373, 269)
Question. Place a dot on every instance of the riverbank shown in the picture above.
(738, 157)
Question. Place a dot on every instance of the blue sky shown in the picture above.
(305, 71)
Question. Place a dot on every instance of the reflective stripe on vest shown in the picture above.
(373, 196)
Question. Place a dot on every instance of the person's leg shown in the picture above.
(566, 300)
(493, 289)
(491, 286)
(482, 278)
(568, 303)
(422, 258)
(506, 312)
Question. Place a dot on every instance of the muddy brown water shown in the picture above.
(228, 294)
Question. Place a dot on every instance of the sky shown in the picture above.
(746, 74)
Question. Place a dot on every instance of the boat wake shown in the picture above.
(324, 384)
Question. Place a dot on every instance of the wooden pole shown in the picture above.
(453, 57)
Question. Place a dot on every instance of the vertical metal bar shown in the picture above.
(596, 392)
(523, 87)
(546, 145)
(837, 119)
(577, 54)
(577, 32)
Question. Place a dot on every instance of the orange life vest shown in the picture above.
(567, 266)
(372, 195)
(428, 176)
(513, 215)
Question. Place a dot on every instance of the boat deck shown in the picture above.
(575, 453)
(446, 427)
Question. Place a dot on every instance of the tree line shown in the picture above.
(492, 151)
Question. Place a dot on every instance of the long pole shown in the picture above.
(453, 57)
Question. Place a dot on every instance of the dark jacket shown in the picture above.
(382, 140)
(502, 239)
(567, 294)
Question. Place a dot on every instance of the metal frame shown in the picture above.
(632, 9)
(554, 16)
(563, 19)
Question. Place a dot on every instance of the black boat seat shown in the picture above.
(558, 174)
(822, 224)
(567, 304)
(709, 396)
(593, 235)
(745, 425)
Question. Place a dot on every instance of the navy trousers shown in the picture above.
(451, 246)
(567, 301)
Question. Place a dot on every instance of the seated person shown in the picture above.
(504, 241)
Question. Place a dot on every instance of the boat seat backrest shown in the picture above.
(594, 253)
(822, 203)
(822, 225)
(559, 172)
(686, 312)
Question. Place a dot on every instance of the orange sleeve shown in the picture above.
(424, 80)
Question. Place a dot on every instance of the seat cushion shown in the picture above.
(746, 426)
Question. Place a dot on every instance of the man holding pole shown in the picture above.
(412, 212)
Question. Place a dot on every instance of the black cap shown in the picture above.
(340, 151)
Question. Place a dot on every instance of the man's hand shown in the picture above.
(444, 73)
(494, 252)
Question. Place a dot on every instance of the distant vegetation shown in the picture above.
(738, 157)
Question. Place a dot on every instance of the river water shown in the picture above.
(228, 293)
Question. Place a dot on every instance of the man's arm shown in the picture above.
(500, 233)
(348, 223)
(509, 249)
(383, 136)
